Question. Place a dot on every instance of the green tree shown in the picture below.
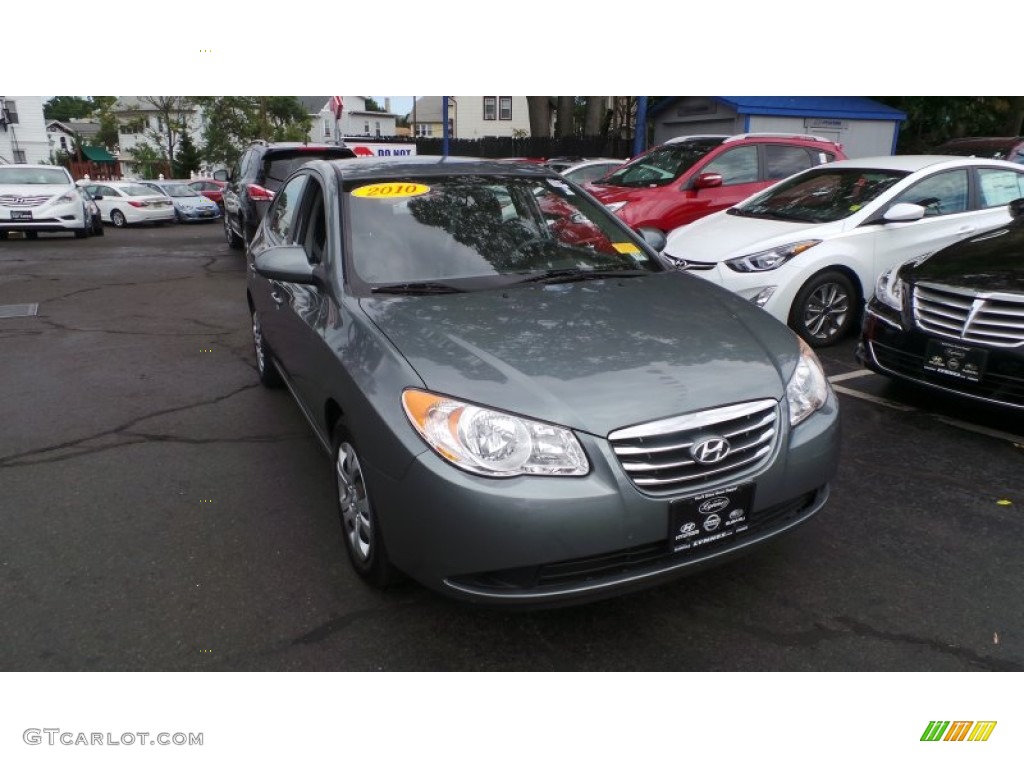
(174, 112)
(108, 136)
(66, 108)
(149, 161)
(372, 105)
(932, 120)
(188, 158)
(232, 122)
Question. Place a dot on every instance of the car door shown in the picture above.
(274, 300)
(741, 177)
(231, 191)
(948, 218)
(108, 199)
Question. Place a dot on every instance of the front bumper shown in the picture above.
(60, 217)
(533, 541)
(896, 349)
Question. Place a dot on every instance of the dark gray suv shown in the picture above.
(258, 175)
(523, 403)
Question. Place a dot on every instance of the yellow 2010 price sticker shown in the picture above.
(391, 189)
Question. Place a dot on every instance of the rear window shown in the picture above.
(278, 166)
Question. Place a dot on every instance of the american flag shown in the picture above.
(336, 106)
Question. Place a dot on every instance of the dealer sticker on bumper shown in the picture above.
(709, 517)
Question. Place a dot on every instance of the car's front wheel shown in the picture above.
(269, 376)
(360, 527)
(824, 310)
(234, 241)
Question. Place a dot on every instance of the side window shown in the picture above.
(941, 194)
(312, 228)
(281, 217)
(999, 186)
(782, 161)
(737, 166)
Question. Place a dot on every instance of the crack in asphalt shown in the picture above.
(849, 626)
(175, 334)
(38, 455)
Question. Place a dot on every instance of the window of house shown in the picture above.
(19, 156)
(12, 113)
(490, 107)
(451, 127)
(505, 108)
(366, 127)
(327, 128)
(64, 143)
(376, 126)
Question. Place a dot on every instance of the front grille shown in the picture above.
(626, 561)
(994, 386)
(17, 201)
(659, 457)
(993, 320)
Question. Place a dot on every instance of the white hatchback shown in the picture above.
(810, 248)
(128, 202)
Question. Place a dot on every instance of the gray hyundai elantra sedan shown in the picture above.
(524, 404)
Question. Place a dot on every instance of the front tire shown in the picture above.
(118, 220)
(268, 374)
(824, 310)
(234, 241)
(360, 527)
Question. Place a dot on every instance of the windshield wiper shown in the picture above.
(574, 275)
(413, 289)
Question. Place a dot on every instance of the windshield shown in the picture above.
(662, 165)
(12, 174)
(820, 195)
(473, 232)
(179, 190)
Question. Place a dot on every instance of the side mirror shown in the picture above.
(904, 212)
(288, 264)
(97, 197)
(221, 175)
(653, 237)
(1017, 208)
(707, 180)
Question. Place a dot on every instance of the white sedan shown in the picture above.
(810, 248)
(40, 198)
(127, 202)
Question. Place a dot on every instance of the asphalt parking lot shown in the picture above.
(160, 510)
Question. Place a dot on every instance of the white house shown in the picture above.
(62, 133)
(138, 121)
(356, 119)
(471, 117)
(23, 136)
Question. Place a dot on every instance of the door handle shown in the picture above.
(965, 230)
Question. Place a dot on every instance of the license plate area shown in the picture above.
(709, 517)
(21, 215)
(957, 361)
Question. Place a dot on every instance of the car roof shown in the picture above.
(914, 163)
(431, 165)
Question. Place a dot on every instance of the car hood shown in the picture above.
(722, 236)
(35, 190)
(608, 193)
(991, 262)
(595, 355)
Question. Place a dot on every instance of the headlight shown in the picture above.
(68, 197)
(808, 388)
(889, 289)
(492, 443)
(773, 258)
(613, 207)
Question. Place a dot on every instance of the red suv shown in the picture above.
(689, 177)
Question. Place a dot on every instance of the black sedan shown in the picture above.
(954, 320)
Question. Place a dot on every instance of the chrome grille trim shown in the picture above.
(23, 201)
(656, 456)
(987, 318)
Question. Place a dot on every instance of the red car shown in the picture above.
(689, 177)
(210, 188)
